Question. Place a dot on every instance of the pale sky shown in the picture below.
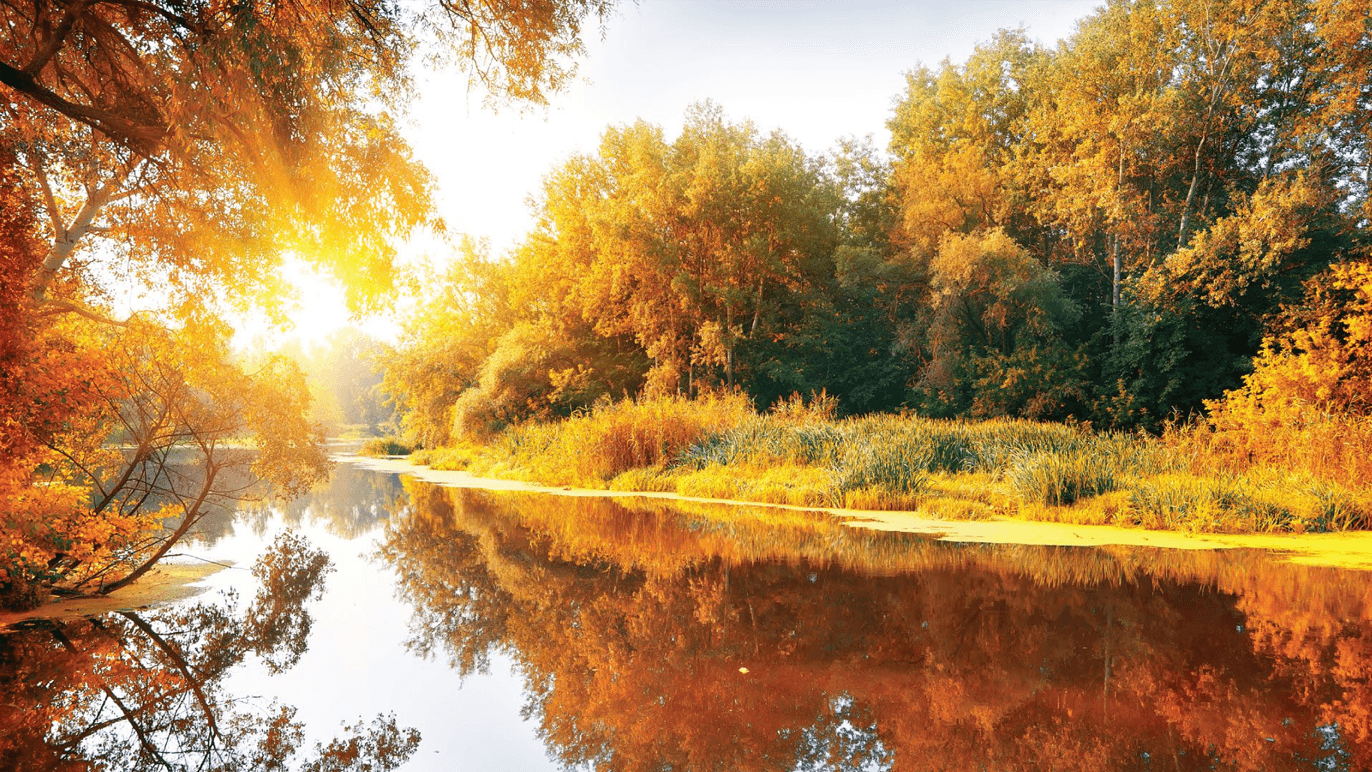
(817, 69)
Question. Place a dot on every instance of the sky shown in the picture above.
(816, 69)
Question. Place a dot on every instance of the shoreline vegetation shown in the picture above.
(1195, 479)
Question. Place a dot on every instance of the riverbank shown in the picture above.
(953, 470)
(1338, 550)
(167, 583)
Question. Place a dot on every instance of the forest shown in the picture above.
(1114, 230)
(1151, 234)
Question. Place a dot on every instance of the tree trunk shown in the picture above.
(1216, 90)
(1190, 195)
(64, 242)
(1115, 263)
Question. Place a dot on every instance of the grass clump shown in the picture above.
(1262, 501)
(384, 446)
(1088, 466)
(894, 473)
(456, 457)
(1060, 479)
(594, 447)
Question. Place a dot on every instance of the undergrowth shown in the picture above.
(720, 448)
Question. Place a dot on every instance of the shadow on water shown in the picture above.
(655, 637)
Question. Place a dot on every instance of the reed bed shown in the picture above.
(721, 448)
(593, 447)
(384, 446)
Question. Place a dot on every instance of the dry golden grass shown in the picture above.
(384, 446)
(1334, 448)
(592, 448)
(718, 448)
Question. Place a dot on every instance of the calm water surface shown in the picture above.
(522, 631)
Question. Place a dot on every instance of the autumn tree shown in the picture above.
(146, 438)
(205, 140)
(1178, 164)
(187, 149)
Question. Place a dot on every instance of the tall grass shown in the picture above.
(1334, 448)
(593, 447)
(800, 455)
(1088, 466)
(384, 446)
(893, 458)
(1263, 501)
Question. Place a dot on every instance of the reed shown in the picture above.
(720, 448)
(384, 446)
(593, 447)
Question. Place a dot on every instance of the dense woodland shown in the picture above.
(1114, 229)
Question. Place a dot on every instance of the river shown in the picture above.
(462, 629)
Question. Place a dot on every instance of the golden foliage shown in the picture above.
(1308, 402)
(128, 429)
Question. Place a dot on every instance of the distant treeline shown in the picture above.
(1110, 230)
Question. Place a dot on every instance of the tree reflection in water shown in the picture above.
(134, 691)
(349, 504)
(659, 638)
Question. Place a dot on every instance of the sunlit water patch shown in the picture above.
(516, 630)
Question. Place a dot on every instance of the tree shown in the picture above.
(954, 135)
(694, 248)
(995, 314)
(201, 141)
(1183, 166)
(189, 147)
(136, 434)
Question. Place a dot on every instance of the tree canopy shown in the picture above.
(1106, 230)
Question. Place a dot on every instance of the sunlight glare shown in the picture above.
(319, 309)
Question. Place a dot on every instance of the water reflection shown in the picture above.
(655, 638)
(134, 691)
(649, 636)
(350, 504)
